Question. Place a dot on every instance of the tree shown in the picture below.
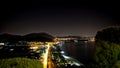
(111, 34)
(107, 53)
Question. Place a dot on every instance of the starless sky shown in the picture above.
(58, 19)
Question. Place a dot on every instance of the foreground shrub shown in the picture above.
(20, 63)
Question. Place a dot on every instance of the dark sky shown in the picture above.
(58, 19)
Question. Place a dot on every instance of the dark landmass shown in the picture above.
(43, 37)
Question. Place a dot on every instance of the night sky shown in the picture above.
(58, 19)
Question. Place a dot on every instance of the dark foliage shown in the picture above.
(111, 34)
(107, 51)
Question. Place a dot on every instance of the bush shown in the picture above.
(106, 55)
(20, 63)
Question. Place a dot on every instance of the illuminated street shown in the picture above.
(55, 58)
(46, 56)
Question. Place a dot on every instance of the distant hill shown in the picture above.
(10, 38)
(38, 37)
(43, 37)
(69, 37)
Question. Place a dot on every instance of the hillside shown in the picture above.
(43, 37)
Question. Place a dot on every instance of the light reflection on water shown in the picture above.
(82, 50)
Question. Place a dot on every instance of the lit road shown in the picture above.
(50, 63)
(55, 58)
(47, 63)
(46, 56)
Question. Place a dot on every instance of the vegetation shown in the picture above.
(111, 34)
(107, 53)
(20, 63)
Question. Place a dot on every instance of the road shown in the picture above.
(48, 63)
(53, 58)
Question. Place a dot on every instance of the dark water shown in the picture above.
(81, 50)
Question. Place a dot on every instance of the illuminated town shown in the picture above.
(49, 53)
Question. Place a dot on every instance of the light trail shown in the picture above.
(46, 56)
